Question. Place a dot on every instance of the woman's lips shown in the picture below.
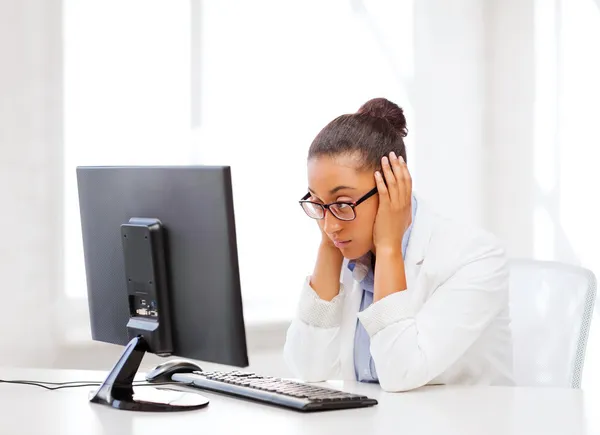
(341, 243)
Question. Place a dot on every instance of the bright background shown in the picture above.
(501, 98)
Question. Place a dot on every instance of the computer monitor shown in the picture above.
(162, 269)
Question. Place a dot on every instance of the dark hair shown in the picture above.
(377, 129)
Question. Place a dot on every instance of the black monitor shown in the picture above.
(162, 270)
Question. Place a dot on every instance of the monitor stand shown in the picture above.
(118, 390)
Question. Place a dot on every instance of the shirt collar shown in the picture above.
(360, 267)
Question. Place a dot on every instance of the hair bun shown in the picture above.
(383, 108)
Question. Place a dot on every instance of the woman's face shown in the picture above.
(333, 179)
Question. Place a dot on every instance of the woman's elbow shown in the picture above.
(305, 371)
(395, 385)
(394, 379)
(302, 366)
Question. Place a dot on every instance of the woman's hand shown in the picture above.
(394, 215)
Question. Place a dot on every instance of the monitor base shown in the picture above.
(117, 390)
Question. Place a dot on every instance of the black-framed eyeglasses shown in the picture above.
(342, 210)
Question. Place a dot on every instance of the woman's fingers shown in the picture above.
(390, 179)
(395, 181)
(397, 167)
(384, 197)
(406, 179)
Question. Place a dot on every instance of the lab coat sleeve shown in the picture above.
(412, 348)
(312, 346)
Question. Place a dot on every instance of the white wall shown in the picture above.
(31, 178)
(541, 140)
(508, 123)
(449, 101)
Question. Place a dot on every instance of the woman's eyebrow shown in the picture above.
(337, 189)
(334, 190)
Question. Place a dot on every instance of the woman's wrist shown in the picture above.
(325, 279)
(388, 249)
(390, 276)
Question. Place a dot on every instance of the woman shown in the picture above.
(422, 299)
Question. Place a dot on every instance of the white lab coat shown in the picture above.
(450, 326)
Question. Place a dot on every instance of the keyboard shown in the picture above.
(274, 391)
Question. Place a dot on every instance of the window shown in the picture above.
(127, 97)
(269, 76)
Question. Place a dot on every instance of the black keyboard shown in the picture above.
(274, 391)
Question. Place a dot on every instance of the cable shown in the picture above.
(64, 383)
(59, 387)
(76, 384)
(25, 381)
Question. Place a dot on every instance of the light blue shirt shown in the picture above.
(362, 270)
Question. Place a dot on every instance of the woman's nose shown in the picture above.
(331, 224)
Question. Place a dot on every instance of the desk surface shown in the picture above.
(429, 410)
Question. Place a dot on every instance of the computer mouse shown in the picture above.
(164, 371)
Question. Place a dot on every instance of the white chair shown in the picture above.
(551, 308)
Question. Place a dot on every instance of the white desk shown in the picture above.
(430, 410)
